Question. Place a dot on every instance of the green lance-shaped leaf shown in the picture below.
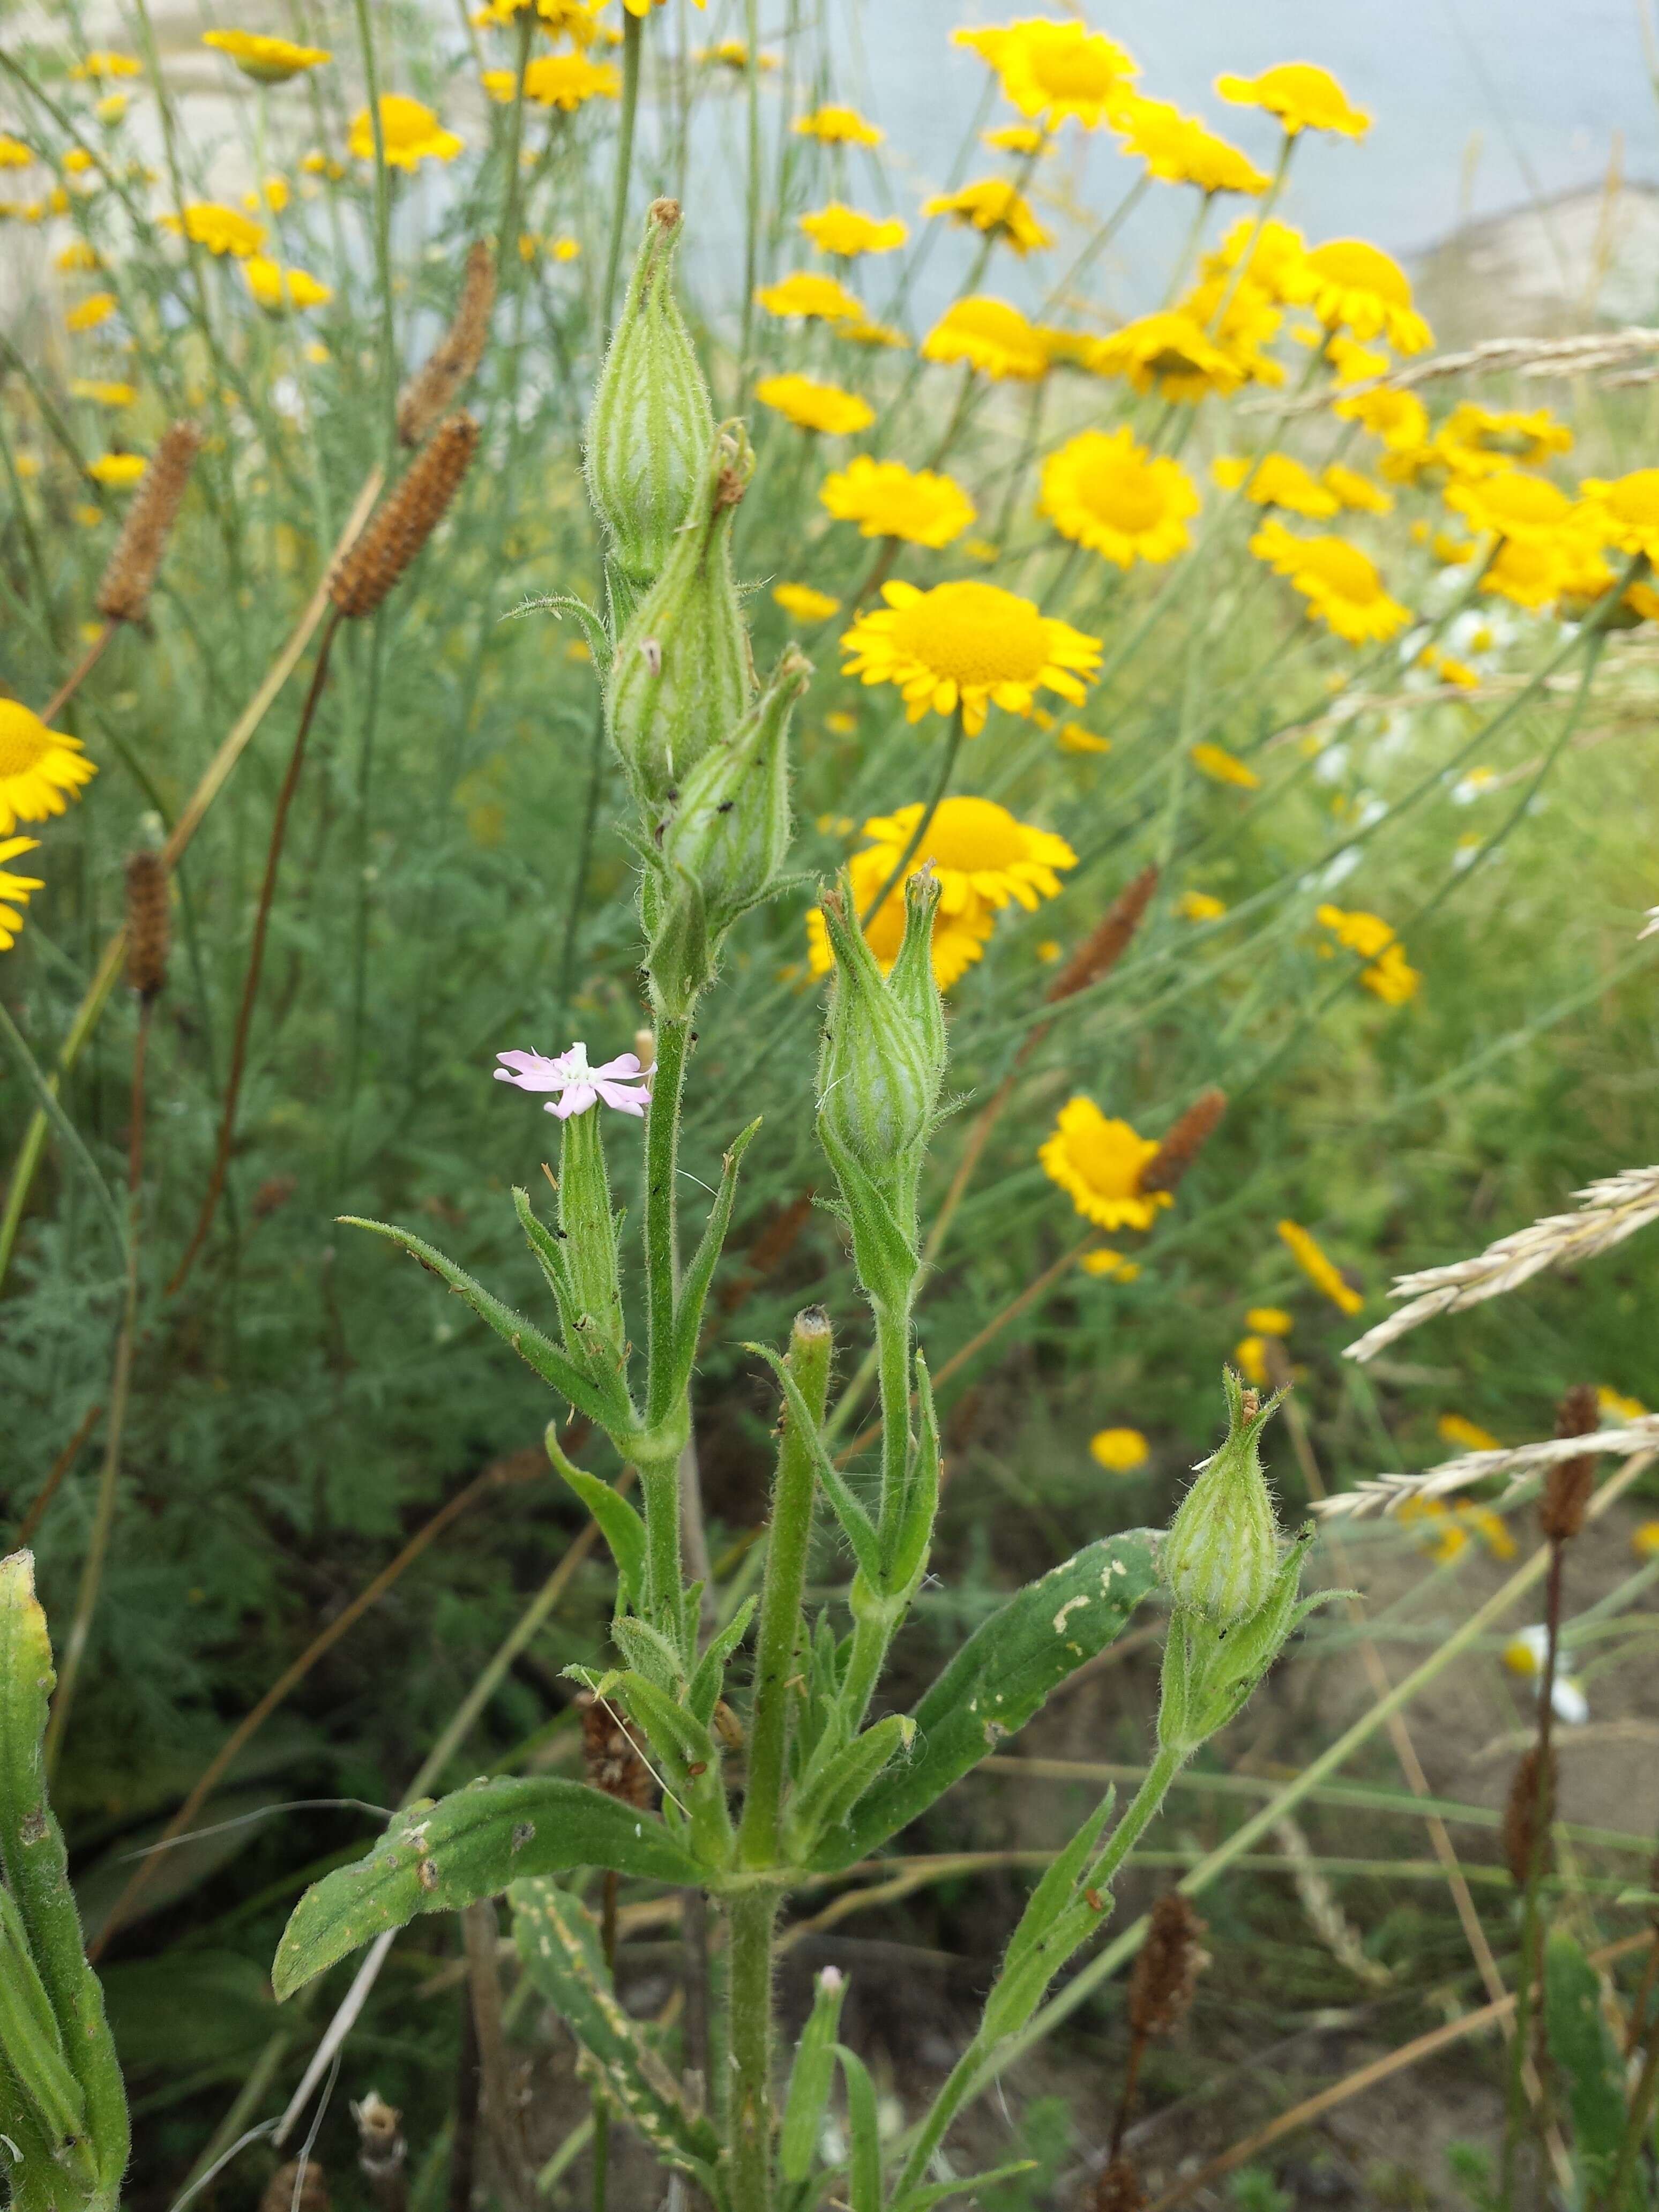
(863, 2133)
(811, 2078)
(1060, 1913)
(1588, 2059)
(828, 1796)
(709, 1680)
(609, 1408)
(694, 1291)
(619, 1524)
(649, 1652)
(558, 1941)
(36, 1869)
(439, 1857)
(936, 2192)
(916, 1529)
(32, 2049)
(856, 1525)
(999, 1679)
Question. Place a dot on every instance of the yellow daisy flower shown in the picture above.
(266, 60)
(1222, 767)
(14, 891)
(96, 308)
(1109, 1263)
(1120, 1451)
(733, 54)
(1524, 509)
(1468, 1436)
(1074, 738)
(1350, 362)
(1270, 1320)
(1303, 97)
(642, 7)
(806, 603)
(99, 64)
(1017, 138)
(1179, 150)
(1060, 72)
(869, 333)
(271, 284)
(1278, 480)
(38, 767)
(1523, 438)
(982, 854)
(1250, 1357)
(971, 645)
(837, 126)
(577, 20)
(1625, 510)
(273, 194)
(220, 229)
(847, 231)
(1340, 584)
(1099, 1164)
(14, 153)
(319, 164)
(958, 939)
(1613, 1405)
(1275, 251)
(992, 338)
(119, 471)
(103, 394)
(1170, 350)
(1102, 491)
(560, 81)
(1201, 906)
(1526, 573)
(1389, 975)
(820, 299)
(887, 500)
(1322, 1273)
(815, 406)
(1353, 286)
(1399, 418)
(111, 109)
(412, 133)
(1644, 1540)
(1352, 490)
(993, 205)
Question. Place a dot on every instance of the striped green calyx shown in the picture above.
(1221, 1554)
(650, 420)
(684, 677)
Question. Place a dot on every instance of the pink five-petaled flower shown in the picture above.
(621, 1083)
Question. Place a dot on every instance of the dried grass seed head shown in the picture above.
(1107, 942)
(449, 368)
(299, 2185)
(1119, 2189)
(149, 923)
(1522, 1825)
(124, 592)
(367, 573)
(1185, 1141)
(1571, 1483)
(1167, 1966)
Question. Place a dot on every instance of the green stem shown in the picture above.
(584, 852)
(782, 1598)
(632, 27)
(893, 1358)
(971, 2071)
(752, 1913)
(924, 824)
(662, 1261)
(660, 1493)
(382, 227)
(509, 245)
(753, 198)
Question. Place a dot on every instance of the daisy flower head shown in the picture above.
(1222, 767)
(1527, 572)
(1512, 504)
(1169, 349)
(1353, 286)
(14, 153)
(1399, 418)
(87, 315)
(1350, 362)
(16, 891)
(220, 229)
(621, 1083)
(1302, 96)
(1389, 975)
(1179, 150)
(814, 406)
(982, 854)
(412, 133)
(804, 602)
(40, 770)
(992, 338)
(1625, 510)
(968, 645)
(838, 126)
(1340, 584)
(993, 205)
(1017, 138)
(1351, 488)
(1104, 490)
(1120, 1451)
(1500, 437)
(1201, 906)
(1098, 1163)
(101, 63)
(102, 392)
(814, 298)
(116, 471)
(642, 7)
(272, 285)
(266, 60)
(1060, 72)
(958, 939)
(888, 500)
(1272, 251)
(1278, 480)
(1525, 1654)
(847, 231)
(566, 82)
(1322, 1272)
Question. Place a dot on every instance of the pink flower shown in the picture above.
(620, 1083)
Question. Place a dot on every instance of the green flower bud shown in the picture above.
(651, 422)
(1210, 1672)
(1220, 1558)
(881, 1069)
(682, 677)
(729, 830)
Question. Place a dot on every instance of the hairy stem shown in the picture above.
(924, 823)
(752, 1913)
